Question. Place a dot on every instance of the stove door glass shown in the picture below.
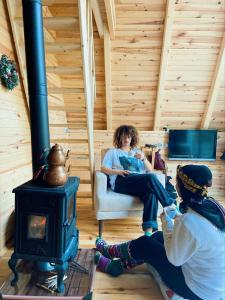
(37, 227)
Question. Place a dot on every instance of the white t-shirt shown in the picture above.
(122, 160)
(198, 247)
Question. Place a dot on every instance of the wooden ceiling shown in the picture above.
(158, 63)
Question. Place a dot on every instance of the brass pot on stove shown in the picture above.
(56, 174)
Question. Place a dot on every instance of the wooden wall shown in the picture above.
(15, 150)
(103, 140)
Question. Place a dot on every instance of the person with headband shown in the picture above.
(129, 172)
(189, 252)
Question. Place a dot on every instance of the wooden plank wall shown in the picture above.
(15, 156)
(103, 140)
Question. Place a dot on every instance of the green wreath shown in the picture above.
(8, 73)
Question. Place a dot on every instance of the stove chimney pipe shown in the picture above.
(36, 77)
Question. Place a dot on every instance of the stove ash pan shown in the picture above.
(45, 226)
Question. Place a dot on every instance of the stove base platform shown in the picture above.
(78, 284)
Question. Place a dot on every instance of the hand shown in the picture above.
(122, 172)
(140, 155)
(165, 219)
(172, 211)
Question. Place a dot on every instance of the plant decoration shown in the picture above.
(8, 72)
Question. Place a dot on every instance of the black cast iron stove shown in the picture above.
(46, 227)
(45, 217)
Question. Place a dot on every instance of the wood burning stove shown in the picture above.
(45, 217)
(46, 226)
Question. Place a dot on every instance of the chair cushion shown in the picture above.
(111, 205)
(117, 202)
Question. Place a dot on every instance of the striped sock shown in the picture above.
(131, 263)
(113, 251)
(109, 266)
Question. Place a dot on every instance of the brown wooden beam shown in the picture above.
(214, 89)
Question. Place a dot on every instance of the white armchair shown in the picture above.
(111, 205)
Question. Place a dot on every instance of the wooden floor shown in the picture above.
(135, 285)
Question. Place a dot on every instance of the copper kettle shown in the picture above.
(56, 156)
(56, 174)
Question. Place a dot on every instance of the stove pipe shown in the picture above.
(36, 77)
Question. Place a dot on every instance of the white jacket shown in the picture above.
(198, 247)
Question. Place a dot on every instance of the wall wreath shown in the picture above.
(8, 73)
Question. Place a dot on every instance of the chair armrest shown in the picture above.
(100, 188)
(100, 183)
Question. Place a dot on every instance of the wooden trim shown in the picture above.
(98, 18)
(170, 9)
(111, 17)
(10, 4)
(83, 13)
(214, 89)
(108, 77)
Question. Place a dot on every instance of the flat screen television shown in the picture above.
(192, 144)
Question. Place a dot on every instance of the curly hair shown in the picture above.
(125, 130)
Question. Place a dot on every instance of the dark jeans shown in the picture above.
(149, 189)
(151, 250)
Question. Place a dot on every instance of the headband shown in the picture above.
(189, 183)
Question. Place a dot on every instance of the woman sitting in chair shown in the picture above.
(189, 254)
(130, 173)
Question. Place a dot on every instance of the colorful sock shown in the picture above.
(113, 251)
(109, 266)
(131, 263)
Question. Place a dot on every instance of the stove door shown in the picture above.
(37, 226)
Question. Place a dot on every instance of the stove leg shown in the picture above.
(61, 270)
(12, 264)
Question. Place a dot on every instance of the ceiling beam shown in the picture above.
(61, 47)
(111, 17)
(214, 89)
(58, 2)
(98, 18)
(169, 17)
(108, 77)
(62, 90)
(56, 23)
(68, 70)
